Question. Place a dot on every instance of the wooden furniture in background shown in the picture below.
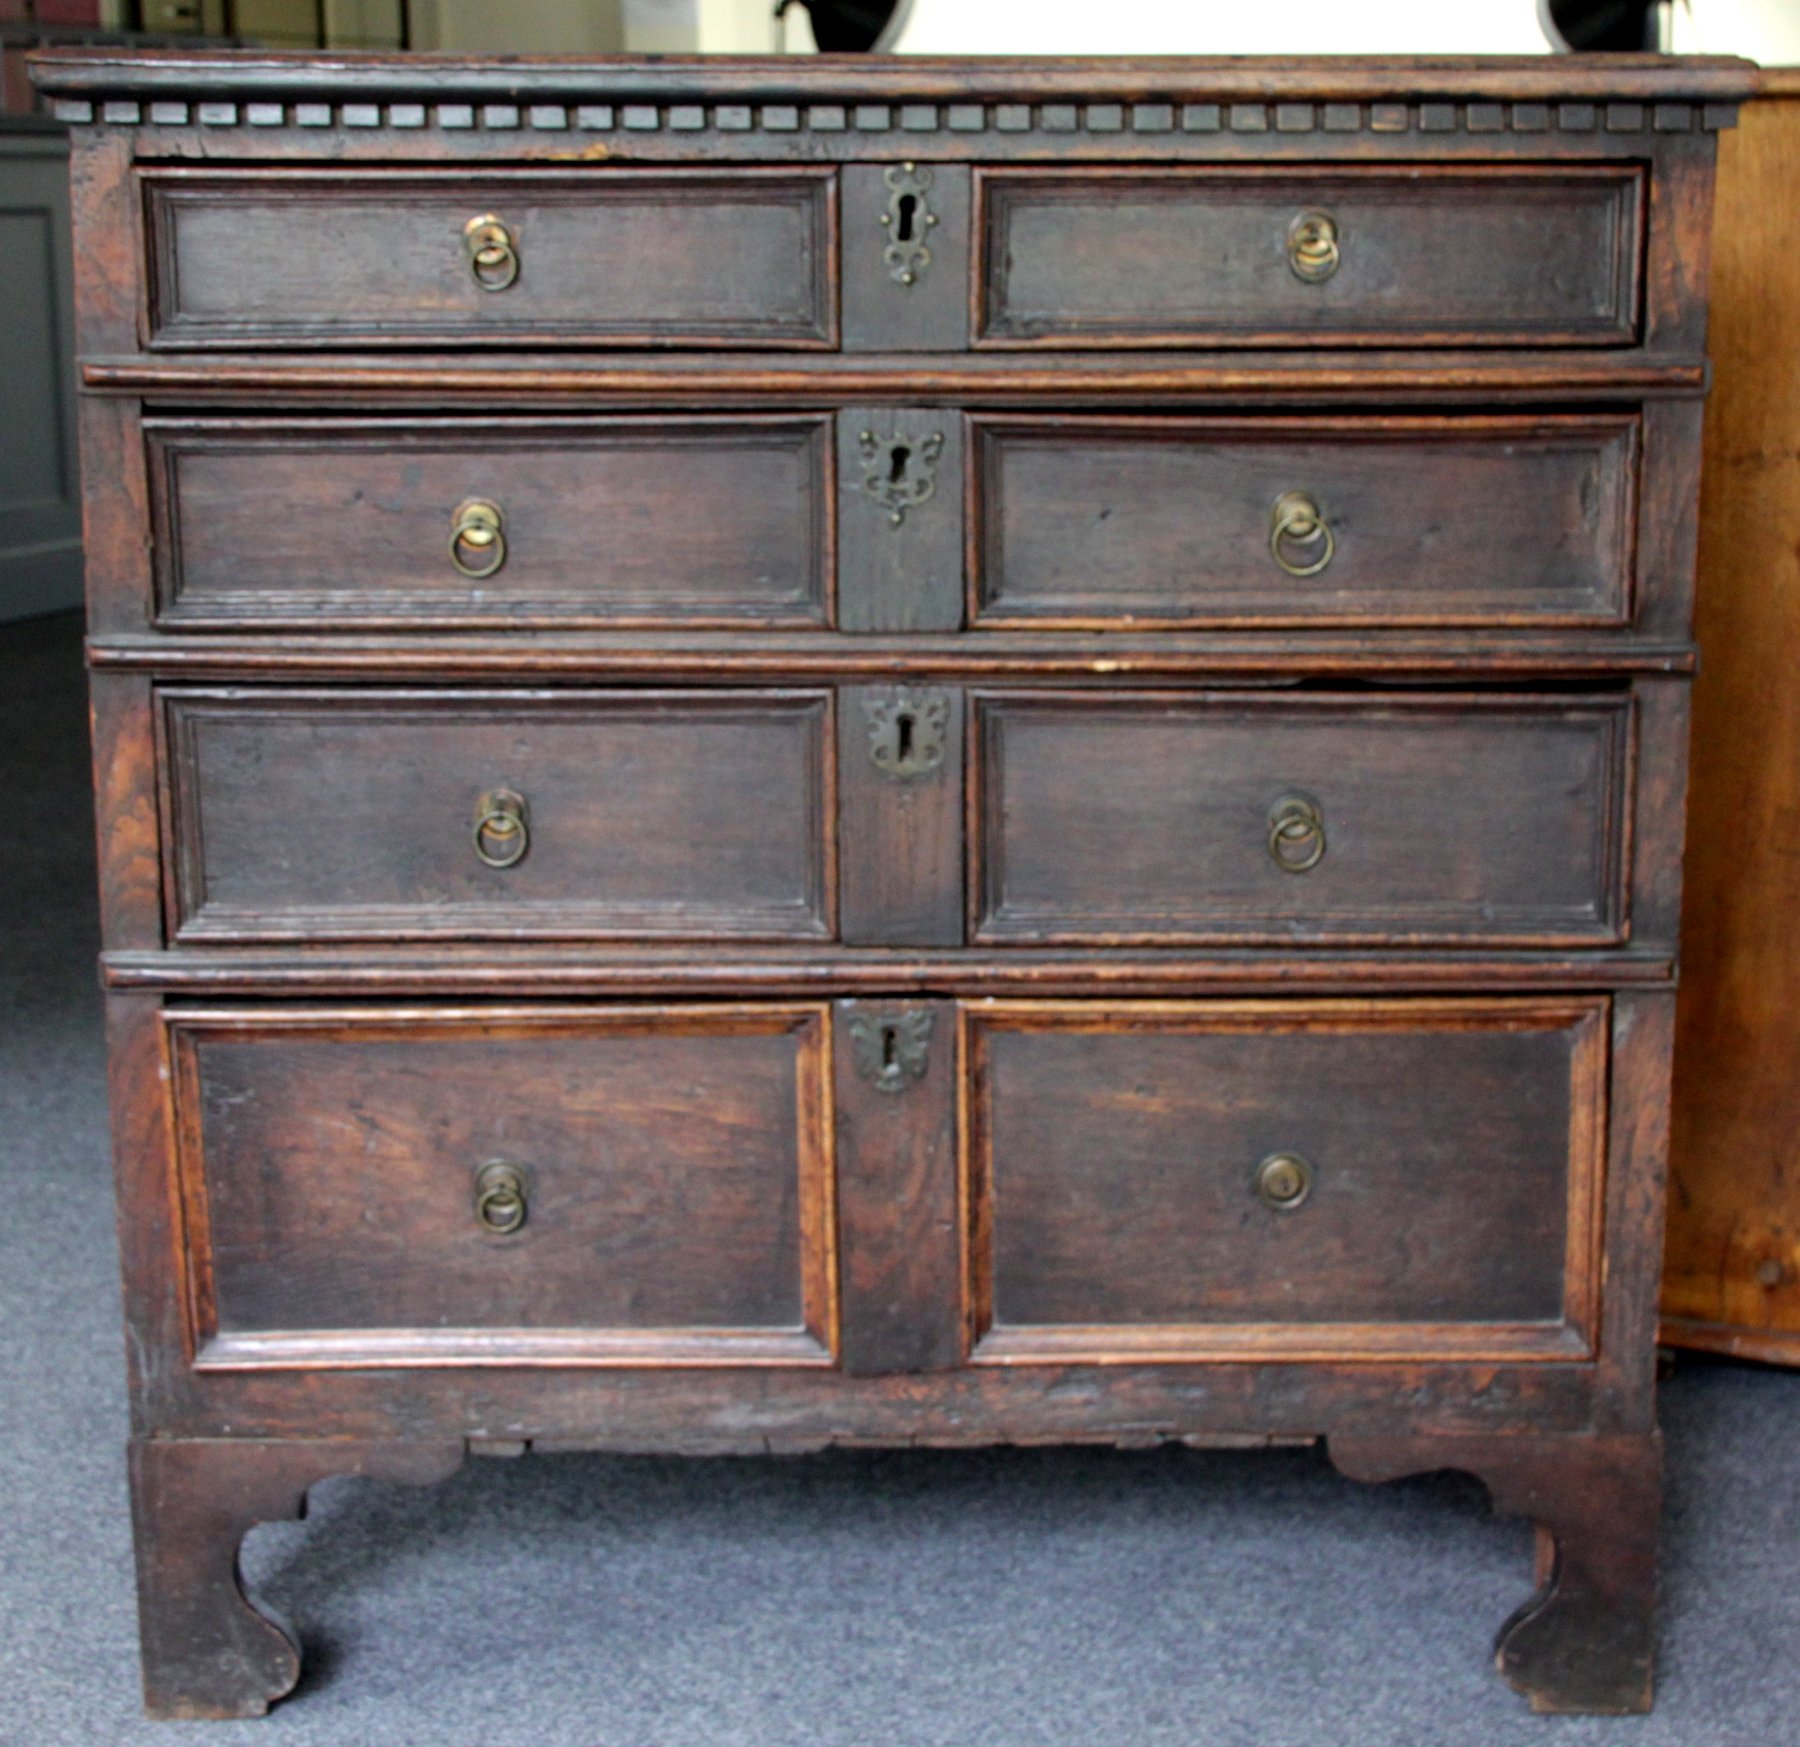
(942, 753)
(1732, 1283)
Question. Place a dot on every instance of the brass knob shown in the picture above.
(493, 252)
(1296, 833)
(500, 1197)
(502, 828)
(1297, 521)
(477, 532)
(1283, 1181)
(1312, 246)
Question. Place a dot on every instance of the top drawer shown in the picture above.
(1538, 255)
(592, 257)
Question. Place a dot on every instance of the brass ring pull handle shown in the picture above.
(1283, 1181)
(1312, 247)
(502, 828)
(477, 533)
(1297, 521)
(1296, 834)
(493, 252)
(500, 1197)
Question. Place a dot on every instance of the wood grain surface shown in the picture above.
(353, 815)
(1113, 1209)
(1096, 523)
(1432, 258)
(1147, 817)
(676, 1163)
(688, 521)
(1732, 1282)
(310, 258)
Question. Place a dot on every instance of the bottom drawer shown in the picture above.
(617, 1186)
(1394, 1179)
(1241, 1180)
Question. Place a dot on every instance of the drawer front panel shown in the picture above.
(1248, 256)
(330, 522)
(1163, 817)
(347, 815)
(1193, 1180)
(1371, 520)
(598, 256)
(669, 1197)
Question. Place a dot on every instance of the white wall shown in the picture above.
(1765, 30)
(1225, 27)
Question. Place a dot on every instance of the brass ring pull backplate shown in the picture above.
(1312, 247)
(1283, 1181)
(500, 1197)
(502, 828)
(493, 252)
(1296, 833)
(1297, 521)
(477, 537)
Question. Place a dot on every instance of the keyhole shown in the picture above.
(904, 229)
(890, 1049)
(898, 457)
(903, 737)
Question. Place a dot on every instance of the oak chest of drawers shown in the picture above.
(813, 752)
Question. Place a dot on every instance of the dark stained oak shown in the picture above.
(1585, 80)
(368, 519)
(710, 380)
(1430, 521)
(1153, 257)
(900, 828)
(676, 1187)
(353, 815)
(1437, 818)
(1585, 1643)
(209, 1651)
(900, 519)
(902, 1304)
(604, 256)
(1116, 661)
(1113, 1162)
(890, 684)
(884, 310)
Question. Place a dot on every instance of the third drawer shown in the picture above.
(902, 815)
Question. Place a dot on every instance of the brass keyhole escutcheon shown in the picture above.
(892, 1047)
(1300, 538)
(1312, 246)
(500, 1205)
(909, 731)
(477, 537)
(1296, 833)
(900, 470)
(1283, 1181)
(493, 252)
(502, 828)
(908, 221)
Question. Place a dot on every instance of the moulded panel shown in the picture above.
(1439, 1168)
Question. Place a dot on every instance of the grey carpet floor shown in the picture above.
(1010, 1598)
